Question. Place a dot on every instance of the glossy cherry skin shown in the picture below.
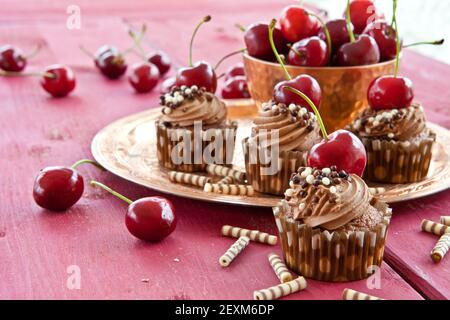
(309, 52)
(389, 92)
(343, 149)
(151, 219)
(110, 62)
(257, 42)
(363, 51)
(385, 37)
(168, 84)
(161, 60)
(12, 59)
(363, 12)
(338, 33)
(200, 74)
(236, 88)
(234, 71)
(296, 24)
(143, 77)
(57, 188)
(304, 83)
(62, 82)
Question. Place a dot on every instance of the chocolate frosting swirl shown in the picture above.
(396, 124)
(298, 129)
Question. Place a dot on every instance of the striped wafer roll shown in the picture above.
(279, 267)
(226, 180)
(232, 189)
(280, 290)
(377, 191)
(441, 248)
(222, 171)
(350, 294)
(188, 178)
(234, 250)
(445, 220)
(254, 235)
(434, 227)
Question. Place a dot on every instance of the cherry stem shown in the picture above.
(240, 27)
(106, 188)
(137, 40)
(221, 76)
(274, 49)
(434, 43)
(205, 19)
(228, 56)
(86, 52)
(83, 161)
(397, 39)
(294, 50)
(349, 23)
(36, 50)
(325, 30)
(313, 107)
(26, 74)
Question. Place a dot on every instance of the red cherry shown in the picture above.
(338, 33)
(200, 74)
(236, 88)
(12, 59)
(256, 40)
(363, 51)
(151, 219)
(309, 52)
(144, 77)
(390, 92)
(296, 24)
(58, 80)
(110, 62)
(234, 71)
(363, 12)
(160, 60)
(168, 84)
(343, 149)
(385, 37)
(304, 83)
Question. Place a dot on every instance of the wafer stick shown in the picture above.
(350, 294)
(377, 191)
(232, 189)
(434, 227)
(254, 235)
(280, 268)
(445, 220)
(188, 178)
(233, 251)
(441, 248)
(226, 180)
(280, 290)
(222, 171)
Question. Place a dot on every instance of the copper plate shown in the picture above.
(127, 148)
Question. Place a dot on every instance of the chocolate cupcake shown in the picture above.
(191, 123)
(398, 143)
(331, 227)
(280, 140)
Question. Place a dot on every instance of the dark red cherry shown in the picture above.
(143, 77)
(12, 59)
(168, 84)
(234, 71)
(363, 12)
(304, 83)
(110, 62)
(200, 74)
(256, 40)
(385, 37)
(58, 80)
(390, 92)
(236, 88)
(363, 51)
(296, 24)
(338, 33)
(342, 149)
(161, 60)
(309, 52)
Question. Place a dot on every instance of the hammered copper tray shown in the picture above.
(127, 148)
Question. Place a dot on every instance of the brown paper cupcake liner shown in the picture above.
(334, 256)
(398, 161)
(288, 162)
(165, 145)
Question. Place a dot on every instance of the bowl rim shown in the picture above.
(273, 64)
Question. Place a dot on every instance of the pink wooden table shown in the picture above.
(37, 247)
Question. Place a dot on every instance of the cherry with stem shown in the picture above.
(326, 32)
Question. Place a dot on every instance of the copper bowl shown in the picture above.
(344, 89)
